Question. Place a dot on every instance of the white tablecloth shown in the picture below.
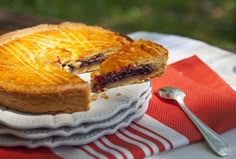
(221, 61)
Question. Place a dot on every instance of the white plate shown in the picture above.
(101, 109)
(82, 128)
(76, 139)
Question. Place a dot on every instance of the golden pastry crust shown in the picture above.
(139, 53)
(65, 99)
(31, 78)
(72, 41)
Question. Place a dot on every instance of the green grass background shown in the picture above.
(212, 21)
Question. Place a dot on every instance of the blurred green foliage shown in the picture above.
(212, 21)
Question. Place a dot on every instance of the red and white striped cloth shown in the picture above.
(164, 126)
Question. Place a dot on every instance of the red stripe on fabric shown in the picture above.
(99, 150)
(113, 148)
(86, 151)
(151, 131)
(26, 153)
(160, 146)
(135, 150)
(149, 147)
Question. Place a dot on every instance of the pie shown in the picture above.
(39, 65)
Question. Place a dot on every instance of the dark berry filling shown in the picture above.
(94, 59)
(70, 66)
(124, 73)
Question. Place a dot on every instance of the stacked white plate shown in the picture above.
(106, 116)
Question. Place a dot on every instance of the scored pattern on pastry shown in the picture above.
(43, 50)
